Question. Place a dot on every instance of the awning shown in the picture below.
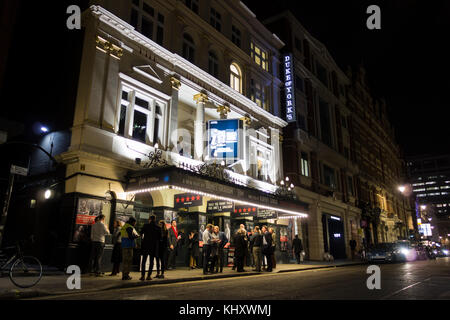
(171, 177)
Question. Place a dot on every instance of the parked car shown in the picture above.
(387, 252)
(441, 252)
(406, 252)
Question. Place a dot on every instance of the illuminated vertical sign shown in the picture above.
(289, 88)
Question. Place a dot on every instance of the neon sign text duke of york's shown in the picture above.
(289, 88)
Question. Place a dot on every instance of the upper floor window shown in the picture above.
(236, 36)
(192, 4)
(140, 116)
(298, 44)
(258, 94)
(299, 84)
(213, 64)
(188, 48)
(329, 177)
(235, 77)
(259, 56)
(350, 185)
(147, 21)
(215, 19)
(304, 163)
(322, 74)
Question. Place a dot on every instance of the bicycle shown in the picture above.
(24, 271)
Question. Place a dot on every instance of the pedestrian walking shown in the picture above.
(194, 251)
(207, 240)
(151, 233)
(162, 250)
(129, 235)
(256, 244)
(98, 233)
(267, 248)
(241, 247)
(116, 256)
(223, 240)
(214, 249)
(298, 247)
(174, 237)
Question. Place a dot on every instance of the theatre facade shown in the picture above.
(178, 117)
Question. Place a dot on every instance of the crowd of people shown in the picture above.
(160, 244)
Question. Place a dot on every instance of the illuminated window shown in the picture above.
(418, 190)
(259, 56)
(431, 182)
(445, 187)
(213, 64)
(304, 164)
(147, 21)
(329, 177)
(417, 184)
(420, 195)
(235, 77)
(140, 116)
(188, 48)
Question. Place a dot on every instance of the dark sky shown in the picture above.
(408, 60)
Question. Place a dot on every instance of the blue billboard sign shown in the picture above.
(224, 139)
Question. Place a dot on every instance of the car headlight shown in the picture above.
(404, 251)
(445, 252)
(435, 251)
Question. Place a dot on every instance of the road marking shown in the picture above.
(178, 283)
(403, 289)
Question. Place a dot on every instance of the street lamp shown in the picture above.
(402, 189)
(47, 194)
(44, 129)
(423, 207)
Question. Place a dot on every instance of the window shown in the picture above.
(213, 65)
(258, 94)
(346, 153)
(329, 177)
(301, 121)
(304, 163)
(298, 44)
(192, 4)
(215, 19)
(325, 123)
(350, 185)
(147, 21)
(188, 48)
(299, 84)
(140, 116)
(322, 74)
(259, 56)
(235, 77)
(344, 122)
(236, 36)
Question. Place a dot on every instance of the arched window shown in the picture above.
(188, 48)
(235, 77)
(213, 65)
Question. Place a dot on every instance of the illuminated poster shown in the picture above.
(187, 200)
(224, 139)
(87, 211)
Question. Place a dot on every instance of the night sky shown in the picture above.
(407, 61)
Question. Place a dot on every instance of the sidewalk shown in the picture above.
(54, 282)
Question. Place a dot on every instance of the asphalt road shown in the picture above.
(411, 280)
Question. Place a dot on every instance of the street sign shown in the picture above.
(19, 170)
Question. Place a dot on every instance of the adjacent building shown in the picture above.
(339, 149)
(429, 177)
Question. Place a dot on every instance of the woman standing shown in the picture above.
(163, 249)
(214, 248)
(116, 256)
(194, 250)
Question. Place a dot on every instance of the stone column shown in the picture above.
(173, 114)
(199, 123)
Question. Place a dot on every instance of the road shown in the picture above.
(411, 280)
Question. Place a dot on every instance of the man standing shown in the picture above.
(98, 233)
(129, 235)
(207, 238)
(151, 233)
(174, 237)
(256, 244)
(222, 242)
(267, 247)
(298, 247)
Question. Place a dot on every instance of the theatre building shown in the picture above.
(177, 115)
